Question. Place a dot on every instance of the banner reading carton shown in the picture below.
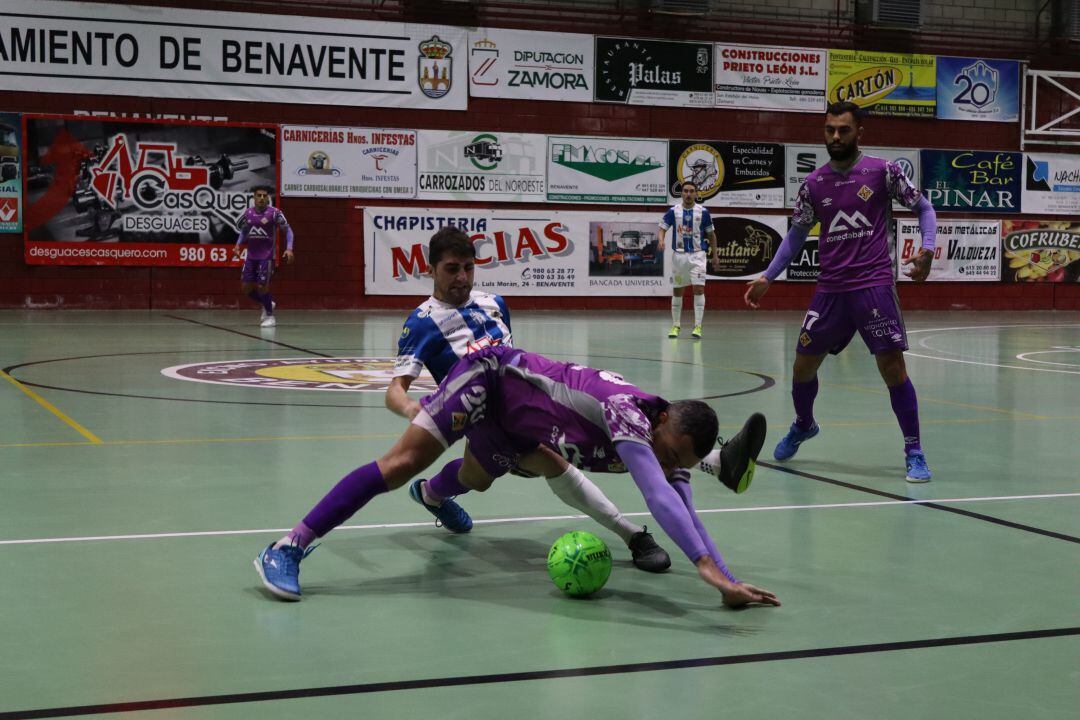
(766, 77)
(901, 85)
(967, 250)
(124, 193)
(91, 48)
(529, 65)
(348, 162)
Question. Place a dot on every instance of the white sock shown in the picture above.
(676, 310)
(711, 462)
(577, 491)
(699, 308)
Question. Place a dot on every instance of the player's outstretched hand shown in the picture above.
(741, 594)
(920, 265)
(755, 290)
(287, 256)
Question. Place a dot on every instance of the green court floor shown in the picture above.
(134, 502)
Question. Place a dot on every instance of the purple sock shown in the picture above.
(267, 303)
(445, 484)
(803, 394)
(254, 295)
(353, 492)
(906, 407)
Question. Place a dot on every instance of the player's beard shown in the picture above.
(842, 153)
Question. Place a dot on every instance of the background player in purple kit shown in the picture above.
(518, 409)
(258, 231)
(851, 196)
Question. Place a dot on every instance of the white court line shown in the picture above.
(534, 518)
(983, 363)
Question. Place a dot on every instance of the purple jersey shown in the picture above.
(258, 228)
(855, 212)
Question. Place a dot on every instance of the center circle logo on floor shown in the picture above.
(348, 374)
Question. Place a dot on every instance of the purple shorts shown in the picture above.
(833, 318)
(468, 404)
(257, 272)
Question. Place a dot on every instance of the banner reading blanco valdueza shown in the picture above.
(967, 250)
(176, 53)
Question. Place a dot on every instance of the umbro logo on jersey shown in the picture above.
(843, 221)
(826, 202)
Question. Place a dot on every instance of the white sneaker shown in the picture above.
(262, 317)
(270, 321)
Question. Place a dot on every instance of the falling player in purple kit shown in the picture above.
(258, 231)
(519, 409)
(851, 196)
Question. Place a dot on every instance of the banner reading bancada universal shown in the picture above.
(174, 53)
(131, 193)
(533, 252)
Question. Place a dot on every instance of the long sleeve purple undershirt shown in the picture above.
(670, 503)
(241, 238)
(797, 234)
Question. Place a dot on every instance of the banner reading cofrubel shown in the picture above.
(177, 53)
(523, 252)
(129, 193)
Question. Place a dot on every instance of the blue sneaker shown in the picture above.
(917, 471)
(450, 515)
(279, 569)
(786, 448)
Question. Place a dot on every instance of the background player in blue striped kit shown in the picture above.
(457, 320)
(692, 236)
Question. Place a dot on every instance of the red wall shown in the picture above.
(328, 272)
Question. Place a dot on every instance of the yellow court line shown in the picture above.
(937, 401)
(94, 439)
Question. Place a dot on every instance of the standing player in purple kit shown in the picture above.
(852, 196)
(692, 236)
(258, 231)
(519, 409)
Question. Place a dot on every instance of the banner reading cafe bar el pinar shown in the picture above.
(134, 193)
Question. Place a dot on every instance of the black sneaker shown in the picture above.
(738, 454)
(648, 556)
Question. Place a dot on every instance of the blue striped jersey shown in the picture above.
(691, 227)
(436, 335)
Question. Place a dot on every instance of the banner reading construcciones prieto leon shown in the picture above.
(348, 162)
(123, 193)
(884, 83)
(607, 170)
(967, 250)
(481, 165)
(765, 77)
(528, 65)
(520, 252)
(170, 52)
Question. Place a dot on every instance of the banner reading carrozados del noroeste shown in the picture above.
(130, 193)
(519, 252)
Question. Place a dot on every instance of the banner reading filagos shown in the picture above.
(127, 193)
(967, 250)
(1040, 251)
(11, 182)
(533, 252)
(171, 52)
(348, 162)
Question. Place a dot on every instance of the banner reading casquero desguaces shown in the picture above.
(130, 193)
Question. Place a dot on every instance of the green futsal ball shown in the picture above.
(579, 563)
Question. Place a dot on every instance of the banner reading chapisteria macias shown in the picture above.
(175, 53)
(884, 83)
(765, 77)
(10, 173)
(348, 162)
(519, 252)
(967, 250)
(128, 193)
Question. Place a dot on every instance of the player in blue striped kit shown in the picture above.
(692, 236)
(455, 321)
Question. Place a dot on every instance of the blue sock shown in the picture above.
(267, 303)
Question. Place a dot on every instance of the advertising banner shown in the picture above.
(767, 77)
(479, 165)
(633, 71)
(1051, 184)
(894, 84)
(728, 174)
(125, 193)
(1040, 251)
(607, 170)
(801, 160)
(967, 250)
(972, 180)
(746, 244)
(207, 55)
(806, 265)
(11, 181)
(978, 89)
(529, 65)
(348, 162)
(519, 252)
